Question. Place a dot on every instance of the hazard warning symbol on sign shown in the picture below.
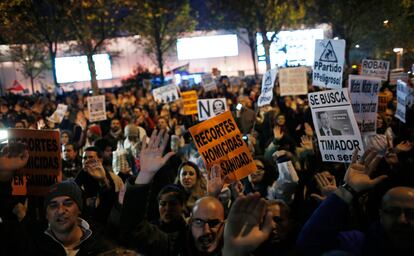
(328, 54)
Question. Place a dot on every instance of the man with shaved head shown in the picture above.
(204, 233)
(392, 235)
(397, 217)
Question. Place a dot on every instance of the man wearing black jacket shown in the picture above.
(204, 233)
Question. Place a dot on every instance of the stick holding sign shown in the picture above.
(219, 141)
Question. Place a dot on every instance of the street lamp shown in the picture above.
(399, 53)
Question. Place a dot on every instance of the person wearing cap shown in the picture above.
(67, 233)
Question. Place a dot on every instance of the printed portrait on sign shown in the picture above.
(334, 123)
(218, 107)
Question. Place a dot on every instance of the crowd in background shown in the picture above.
(135, 182)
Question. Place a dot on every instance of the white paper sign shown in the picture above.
(395, 76)
(377, 68)
(335, 125)
(97, 108)
(208, 82)
(329, 63)
(59, 113)
(402, 91)
(208, 108)
(166, 94)
(363, 91)
(268, 81)
(293, 81)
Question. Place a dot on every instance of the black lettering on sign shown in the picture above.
(340, 145)
(41, 179)
(235, 163)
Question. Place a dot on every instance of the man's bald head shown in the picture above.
(209, 205)
(399, 195)
(397, 217)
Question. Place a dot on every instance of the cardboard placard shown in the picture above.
(208, 108)
(329, 63)
(376, 68)
(402, 92)
(44, 167)
(363, 91)
(268, 81)
(189, 102)
(219, 141)
(59, 113)
(97, 108)
(335, 125)
(208, 82)
(166, 94)
(293, 81)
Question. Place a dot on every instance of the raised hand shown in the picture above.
(244, 230)
(326, 183)
(358, 174)
(151, 158)
(306, 143)
(214, 181)
(404, 146)
(95, 169)
(277, 132)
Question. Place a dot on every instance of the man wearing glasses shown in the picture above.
(391, 235)
(204, 233)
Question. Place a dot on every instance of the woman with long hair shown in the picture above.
(192, 181)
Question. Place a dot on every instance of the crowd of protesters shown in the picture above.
(135, 184)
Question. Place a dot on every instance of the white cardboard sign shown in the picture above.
(329, 63)
(335, 125)
(293, 81)
(377, 68)
(363, 91)
(166, 94)
(268, 81)
(97, 108)
(208, 108)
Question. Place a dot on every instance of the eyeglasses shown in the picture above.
(199, 223)
(396, 212)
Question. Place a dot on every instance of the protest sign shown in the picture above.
(166, 94)
(59, 113)
(208, 108)
(97, 108)
(329, 63)
(363, 91)
(402, 92)
(219, 141)
(382, 102)
(377, 68)
(293, 81)
(44, 167)
(268, 81)
(208, 82)
(335, 125)
(189, 102)
(396, 75)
